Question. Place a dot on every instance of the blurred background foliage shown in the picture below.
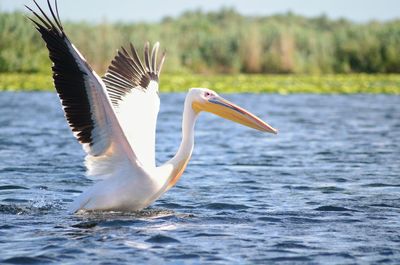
(222, 42)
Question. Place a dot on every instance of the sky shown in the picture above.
(155, 10)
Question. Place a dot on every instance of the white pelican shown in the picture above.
(114, 118)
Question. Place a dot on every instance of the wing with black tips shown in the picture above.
(132, 86)
(85, 101)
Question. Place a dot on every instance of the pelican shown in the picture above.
(114, 118)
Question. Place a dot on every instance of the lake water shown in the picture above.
(325, 190)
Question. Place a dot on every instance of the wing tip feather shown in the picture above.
(128, 68)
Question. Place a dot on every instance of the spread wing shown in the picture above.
(133, 89)
(85, 101)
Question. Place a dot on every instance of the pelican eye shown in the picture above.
(208, 94)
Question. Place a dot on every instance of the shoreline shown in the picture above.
(239, 83)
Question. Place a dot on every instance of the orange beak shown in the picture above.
(230, 111)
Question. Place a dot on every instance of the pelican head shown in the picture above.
(204, 99)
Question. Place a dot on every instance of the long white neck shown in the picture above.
(188, 122)
(175, 167)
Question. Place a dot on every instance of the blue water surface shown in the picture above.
(326, 190)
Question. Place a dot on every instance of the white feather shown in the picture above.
(137, 114)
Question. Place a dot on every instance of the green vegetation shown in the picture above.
(225, 51)
(220, 42)
(256, 83)
(25, 82)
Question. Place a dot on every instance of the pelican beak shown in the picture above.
(230, 111)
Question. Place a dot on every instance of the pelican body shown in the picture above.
(114, 118)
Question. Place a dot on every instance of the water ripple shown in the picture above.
(330, 208)
(225, 206)
(12, 187)
(324, 191)
(162, 239)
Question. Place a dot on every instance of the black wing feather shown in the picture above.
(69, 79)
(127, 72)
